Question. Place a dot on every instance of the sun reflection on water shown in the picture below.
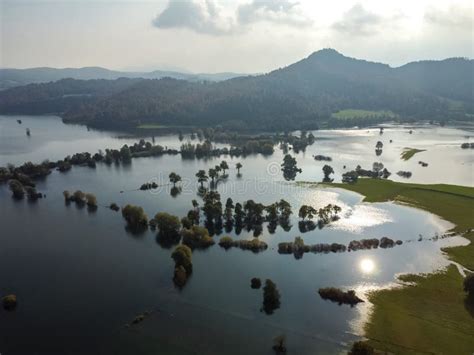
(362, 216)
(367, 266)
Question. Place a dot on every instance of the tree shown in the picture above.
(327, 170)
(174, 178)
(377, 167)
(167, 224)
(17, 189)
(271, 297)
(224, 166)
(469, 284)
(238, 167)
(212, 206)
(306, 211)
(183, 264)
(289, 167)
(213, 174)
(197, 237)
(279, 344)
(379, 145)
(361, 348)
(125, 153)
(134, 215)
(91, 200)
(202, 177)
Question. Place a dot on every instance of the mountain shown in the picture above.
(302, 95)
(17, 77)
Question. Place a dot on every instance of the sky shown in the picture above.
(243, 36)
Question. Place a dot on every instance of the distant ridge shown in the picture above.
(10, 77)
(304, 94)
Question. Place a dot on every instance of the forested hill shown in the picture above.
(303, 94)
(10, 78)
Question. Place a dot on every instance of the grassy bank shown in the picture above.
(430, 316)
(410, 152)
(355, 113)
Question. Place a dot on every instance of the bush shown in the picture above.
(226, 242)
(114, 207)
(182, 256)
(134, 215)
(9, 302)
(183, 265)
(469, 284)
(336, 295)
(17, 189)
(361, 348)
(255, 283)
(197, 237)
(271, 297)
(91, 200)
(167, 224)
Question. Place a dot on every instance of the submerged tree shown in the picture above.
(17, 189)
(271, 297)
(135, 216)
(202, 177)
(238, 166)
(182, 256)
(289, 167)
(174, 178)
(224, 166)
(327, 170)
(167, 224)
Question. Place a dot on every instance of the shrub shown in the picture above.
(91, 200)
(17, 189)
(134, 215)
(9, 302)
(226, 242)
(336, 295)
(361, 348)
(271, 297)
(255, 283)
(197, 237)
(167, 224)
(469, 284)
(114, 207)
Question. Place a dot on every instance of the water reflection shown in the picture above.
(362, 216)
(367, 266)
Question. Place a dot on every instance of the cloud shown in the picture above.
(454, 16)
(358, 21)
(277, 11)
(206, 17)
(200, 16)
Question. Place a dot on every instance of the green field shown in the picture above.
(353, 113)
(409, 152)
(430, 316)
(150, 126)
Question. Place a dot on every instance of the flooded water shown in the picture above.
(81, 276)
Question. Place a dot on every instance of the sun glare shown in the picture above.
(367, 266)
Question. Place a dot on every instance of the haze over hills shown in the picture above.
(302, 95)
(17, 77)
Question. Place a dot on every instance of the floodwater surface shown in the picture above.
(81, 276)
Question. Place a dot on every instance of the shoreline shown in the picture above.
(428, 307)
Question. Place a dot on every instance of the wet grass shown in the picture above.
(354, 113)
(410, 152)
(431, 315)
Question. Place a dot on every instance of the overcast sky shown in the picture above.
(240, 36)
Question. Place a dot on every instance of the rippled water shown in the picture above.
(80, 276)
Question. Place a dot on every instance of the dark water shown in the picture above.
(80, 276)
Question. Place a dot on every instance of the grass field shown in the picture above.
(409, 152)
(353, 113)
(150, 126)
(432, 315)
